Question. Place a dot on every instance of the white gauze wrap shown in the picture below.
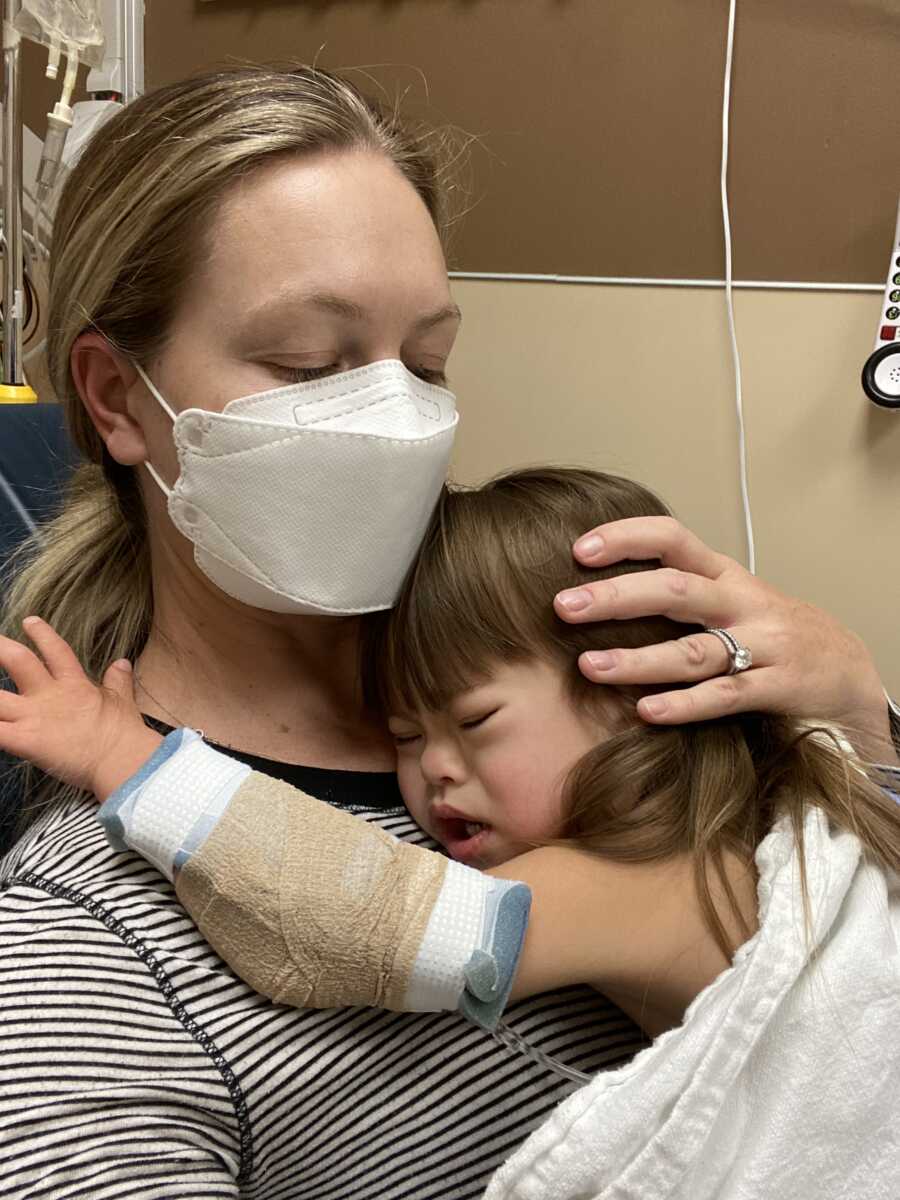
(310, 905)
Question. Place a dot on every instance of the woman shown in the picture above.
(223, 238)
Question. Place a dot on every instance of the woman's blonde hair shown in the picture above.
(480, 593)
(133, 219)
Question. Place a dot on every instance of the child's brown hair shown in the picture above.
(480, 593)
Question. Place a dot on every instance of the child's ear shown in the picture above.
(104, 378)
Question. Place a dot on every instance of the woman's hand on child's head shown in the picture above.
(89, 736)
(804, 661)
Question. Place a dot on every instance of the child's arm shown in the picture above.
(315, 907)
(259, 865)
(633, 930)
(311, 905)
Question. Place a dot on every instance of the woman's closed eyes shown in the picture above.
(307, 374)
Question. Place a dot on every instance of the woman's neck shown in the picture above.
(283, 687)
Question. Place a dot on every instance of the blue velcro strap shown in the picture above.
(490, 972)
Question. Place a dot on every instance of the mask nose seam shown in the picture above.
(433, 416)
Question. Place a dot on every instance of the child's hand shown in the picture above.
(89, 736)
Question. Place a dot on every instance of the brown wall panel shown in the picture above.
(600, 120)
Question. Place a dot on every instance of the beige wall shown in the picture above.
(638, 381)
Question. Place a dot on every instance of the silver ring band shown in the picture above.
(740, 657)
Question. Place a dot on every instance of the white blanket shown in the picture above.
(783, 1083)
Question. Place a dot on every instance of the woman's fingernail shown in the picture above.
(575, 601)
(600, 660)
(590, 545)
(654, 706)
(122, 664)
(30, 620)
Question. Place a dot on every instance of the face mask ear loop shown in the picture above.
(154, 474)
(158, 395)
(160, 482)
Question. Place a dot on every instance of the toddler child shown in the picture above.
(711, 870)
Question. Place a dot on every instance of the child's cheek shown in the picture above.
(526, 799)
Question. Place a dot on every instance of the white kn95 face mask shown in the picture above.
(313, 498)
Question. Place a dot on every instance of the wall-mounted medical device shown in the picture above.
(881, 374)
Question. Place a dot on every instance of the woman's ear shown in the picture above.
(104, 378)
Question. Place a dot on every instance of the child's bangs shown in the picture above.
(446, 637)
(461, 611)
(481, 591)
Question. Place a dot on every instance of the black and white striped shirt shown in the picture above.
(134, 1064)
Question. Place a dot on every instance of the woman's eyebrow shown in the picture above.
(343, 307)
(347, 308)
(285, 304)
(450, 312)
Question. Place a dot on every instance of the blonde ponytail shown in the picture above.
(87, 572)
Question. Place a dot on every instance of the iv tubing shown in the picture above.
(71, 75)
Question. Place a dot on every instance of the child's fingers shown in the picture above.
(119, 679)
(23, 667)
(10, 706)
(55, 650)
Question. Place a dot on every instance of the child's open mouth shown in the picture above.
(463, 839)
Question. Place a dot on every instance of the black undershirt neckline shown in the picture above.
(343, 789)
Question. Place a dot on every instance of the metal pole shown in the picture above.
(133, 37)
(13, 287)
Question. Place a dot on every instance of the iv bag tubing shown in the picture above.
(13, 287)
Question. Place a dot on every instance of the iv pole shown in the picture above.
(13, 389)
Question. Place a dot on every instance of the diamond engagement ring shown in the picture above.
(740, 656)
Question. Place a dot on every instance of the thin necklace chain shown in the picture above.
(138, 682)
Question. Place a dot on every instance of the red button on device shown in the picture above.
(888, 333)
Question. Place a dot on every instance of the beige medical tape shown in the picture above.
(310, 905)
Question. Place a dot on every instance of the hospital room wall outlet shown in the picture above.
(881, 374)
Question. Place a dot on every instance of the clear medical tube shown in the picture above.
(59, 122)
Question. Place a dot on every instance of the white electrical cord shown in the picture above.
(729, 299)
